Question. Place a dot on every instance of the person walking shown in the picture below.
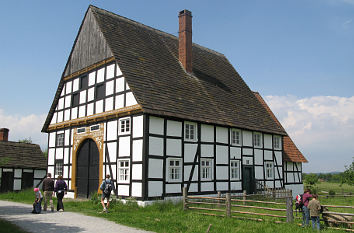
(305, 210)
(60, 188)
(48, 190)
(37, 205)
(106, 188)
(315, 207)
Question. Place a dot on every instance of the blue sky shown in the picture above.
(298, 54)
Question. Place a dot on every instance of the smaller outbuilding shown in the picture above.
(22, 165)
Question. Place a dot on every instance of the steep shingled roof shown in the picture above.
(21, 155)
(291, 152)
(214, 93)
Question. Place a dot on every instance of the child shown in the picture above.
(37, 202)
(315, 207)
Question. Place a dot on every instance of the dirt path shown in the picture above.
(20, 214)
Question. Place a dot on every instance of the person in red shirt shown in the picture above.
(305, 210)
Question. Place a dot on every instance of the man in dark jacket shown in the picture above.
(48, 188)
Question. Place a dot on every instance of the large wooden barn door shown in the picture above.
(87, 169)
(7, 181)
(248, 181)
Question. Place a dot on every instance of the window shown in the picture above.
(124, 126)
(190, 132)
(174, 170)
(75, 100)
(277, 142)
(83, 82)
(60, 139)
(235, 137)
(269, 170)
(123, 170)
(206, 169)
(81, 130)
(100, 92)
(94, 127)
(235, 169)
(59, 167)
(257, 139)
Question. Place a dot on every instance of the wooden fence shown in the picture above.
(335, 219)
(228, 204)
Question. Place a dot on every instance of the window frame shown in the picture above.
(83, 85)
(271, 169)
(59, 140)
(60, 168)
(95, 129)
(255, 135)
(103, 95)
(232, 138)
(75, 96)
(210, 166)
(171, 168)
(125, 126)
(277, 145)
(195, 131)
(237, 168)
(124, 168)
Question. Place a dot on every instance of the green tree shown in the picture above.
(348, 174)
(311, 179)
(26, 140)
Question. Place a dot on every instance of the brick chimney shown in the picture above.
(4, 134)
(185, 39)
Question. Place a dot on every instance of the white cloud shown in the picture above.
(321, 126)
(21, 127)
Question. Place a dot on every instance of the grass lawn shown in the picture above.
(7, 227)
(165, 217)
(327, 186)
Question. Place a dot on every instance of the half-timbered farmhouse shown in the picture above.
(158, 113)
(22, 165)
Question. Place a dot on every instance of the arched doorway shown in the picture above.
(87, 169)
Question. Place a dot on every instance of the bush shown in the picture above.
(94, 198)
(332, 192)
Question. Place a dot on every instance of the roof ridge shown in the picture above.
(153, 29)
(20, 143)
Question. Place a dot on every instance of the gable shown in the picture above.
(89, 48)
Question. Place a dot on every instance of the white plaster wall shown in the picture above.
(290, 177)
(67, 101)
(235, 153)
(174, 128)
(207, 186)
(289, 166)
(187, 172)
(189, 152)
(59, 154)
(247, 151)
(120, 84)
(138, 126)
(61, 103)
(100, 75)
(123, 190)
(155, 146)
(247, 138)
(222, 186)
(112, 130)
(258, 157)
(155, 168)
(249, 159)
(119, 101)
(51, 153)
(112, 151)
(137, 171)
(277, 184)
(222, 154)
(60, 116)
(268, 141)
(65, 172)
(258, 172)
(67, 115)
(130, 99)
(127, 86)
(296, 189)
(137, 150)
(270, 184)
(299, 166)
(68, 87)
(278, 156)
(236, 185)
(268, 155)
(124, 146)
(51, 170)
(52, 139)
(82, 110)
(156, 125)
(39, 173)
(67, 137)
(90, 94)
(17, 184)
(82, 97)
(90, 109)
(207, 150)
(99, 106)
(155, 188)
(222, 172)
(74, 113)
(118, 71)
(54, 119)
(173, 188)
(136, 189)
(280, 171)
(109, 104)
(193, 187)
(75, 84)
(207, 133)
(174, 147)
(18, 173)
(222, 135)
(109, 87)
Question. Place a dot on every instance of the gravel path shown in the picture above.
(20, 214)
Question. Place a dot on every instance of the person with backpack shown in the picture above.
(106, 188)
(60, 188)
(315, 208)
(305, 211)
